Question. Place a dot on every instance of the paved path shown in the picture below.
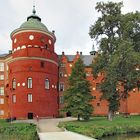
(48, 130)
(51, 125)
(62, 136)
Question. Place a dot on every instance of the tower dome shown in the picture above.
(33, 23)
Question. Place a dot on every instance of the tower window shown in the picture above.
(15, 40)
(50, 42)
(29, 82)
(47, 84)
(42, 64)
(30, 98)
(46, 46)
(14, 83)
(14, 98)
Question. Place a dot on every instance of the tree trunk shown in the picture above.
(110, 115)
(78, 117)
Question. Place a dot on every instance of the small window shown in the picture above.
(94, 97)
(98, 104)
(15, 40)
(42, 64)
(14, 83)
(50, 42)
(1, 77)
(30, 98)
(61, 99)
(23, 47)
(61, 74)
(18, 48)
(1, 66)
(98, 86)
(47, 84)
(46, 46)
(61, 87)
(2, 91)
(1, 101)
(62, 65)
(1, 112)
(14, 98)
(29, 82)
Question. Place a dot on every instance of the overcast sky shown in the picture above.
(70, 19)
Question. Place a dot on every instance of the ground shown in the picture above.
(48, 129)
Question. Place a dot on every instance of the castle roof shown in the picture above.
(87, 59)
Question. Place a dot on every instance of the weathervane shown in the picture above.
(34, 11)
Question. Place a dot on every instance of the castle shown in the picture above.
(33, 77)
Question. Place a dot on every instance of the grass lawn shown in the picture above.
(17, 131)
(98, 127)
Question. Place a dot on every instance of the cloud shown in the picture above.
(70, 19)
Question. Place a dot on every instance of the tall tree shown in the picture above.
(117, 35)
(78, 97)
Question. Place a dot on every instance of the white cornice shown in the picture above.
(31, 58)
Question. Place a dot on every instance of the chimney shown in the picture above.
(63, 53)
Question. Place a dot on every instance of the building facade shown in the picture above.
(33, 77)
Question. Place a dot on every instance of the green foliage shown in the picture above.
(119, 47)
(99, 126)
(77, 96)
(17, 131)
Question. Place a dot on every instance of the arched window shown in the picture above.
(14, 83)
(47, 84)
(30, 82)
(30, 98)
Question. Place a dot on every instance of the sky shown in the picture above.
(70, 19)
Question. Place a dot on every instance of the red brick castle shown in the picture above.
(33, 77)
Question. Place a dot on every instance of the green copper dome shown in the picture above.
(34, 22)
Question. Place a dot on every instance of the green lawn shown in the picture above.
(98, 127)
(17, 131)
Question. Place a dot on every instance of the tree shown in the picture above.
(117, 35)
(78, 97)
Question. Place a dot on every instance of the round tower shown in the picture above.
(33, 71)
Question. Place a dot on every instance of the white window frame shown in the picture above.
(47, 84)
(61, 87)
(1, 101)
(14, 83)
(14, 99)
(1, 66)
(1, 112)
(1, 91)
(2, 77)
(61, 100)
(30, 98)
(30, 82)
